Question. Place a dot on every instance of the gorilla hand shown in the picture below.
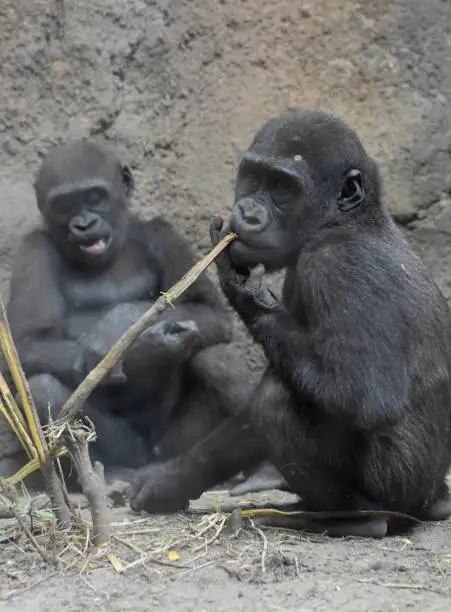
(245, 289)
(89, 357)
(174, 341)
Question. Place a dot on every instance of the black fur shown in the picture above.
(355, 407)
(70, 302)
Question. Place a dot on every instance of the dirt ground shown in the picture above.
(178, 88)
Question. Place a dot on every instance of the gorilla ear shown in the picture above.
(127, 180)
(352, 192)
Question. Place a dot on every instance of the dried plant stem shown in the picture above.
(54, 489)
(78, 398)
(13, 415)
(29, 429)
(21, 384)
(10, 492)
(92, 482)
(32, 466)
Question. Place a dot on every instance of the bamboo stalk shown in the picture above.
(21, 384)
(32, 466)
(12, 413)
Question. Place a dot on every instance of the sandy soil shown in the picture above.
(178, 87)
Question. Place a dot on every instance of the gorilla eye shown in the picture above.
(281, 185)
(95, 197)
(251, 177)
(249, 181)
(282, 188)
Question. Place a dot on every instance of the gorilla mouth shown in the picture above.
(245, 255)
(97, 247)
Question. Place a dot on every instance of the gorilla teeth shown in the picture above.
(99, 246)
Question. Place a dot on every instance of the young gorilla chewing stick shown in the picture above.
(354, 409)
(83, 279)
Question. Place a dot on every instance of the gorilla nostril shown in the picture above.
(251, 214)
(81, 225)
(252, 219)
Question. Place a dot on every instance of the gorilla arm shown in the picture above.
(197, 320)
(201, 302)
(36, 313)
(340, 380)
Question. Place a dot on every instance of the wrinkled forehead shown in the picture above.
(318, 141)
(68, 168)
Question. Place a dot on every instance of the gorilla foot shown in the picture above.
(264, 478)
(440, 510)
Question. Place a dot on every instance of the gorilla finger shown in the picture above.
(216, 225)
(117, 376)
(140, 497)
(161, 327)
(255, 279)
(184, 326)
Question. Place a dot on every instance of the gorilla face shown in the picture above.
(303, 172)
(83, 194)
(87, 221)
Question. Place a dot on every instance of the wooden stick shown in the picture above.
(78, 398)
(92, 482)
(21, 383)
(12, 414)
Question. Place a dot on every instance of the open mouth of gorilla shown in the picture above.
(96, 247)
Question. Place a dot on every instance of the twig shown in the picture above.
(55, 491)
(12, 414)
(265, 545)
(78, 398)
(92, 482)
(414, 587)
(90, 478)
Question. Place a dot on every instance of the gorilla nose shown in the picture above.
(81, 225)
(252, 215)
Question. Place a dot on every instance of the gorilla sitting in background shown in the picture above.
(80, 281)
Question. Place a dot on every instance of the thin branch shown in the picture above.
(78, 398)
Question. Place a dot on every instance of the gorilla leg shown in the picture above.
(197, 415)
(265, 477)
(116, 444)
(49, 395)
(310, 459)
(218, 384)
(225, 372)
(168, 486)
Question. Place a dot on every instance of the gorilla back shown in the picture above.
(80, 281)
